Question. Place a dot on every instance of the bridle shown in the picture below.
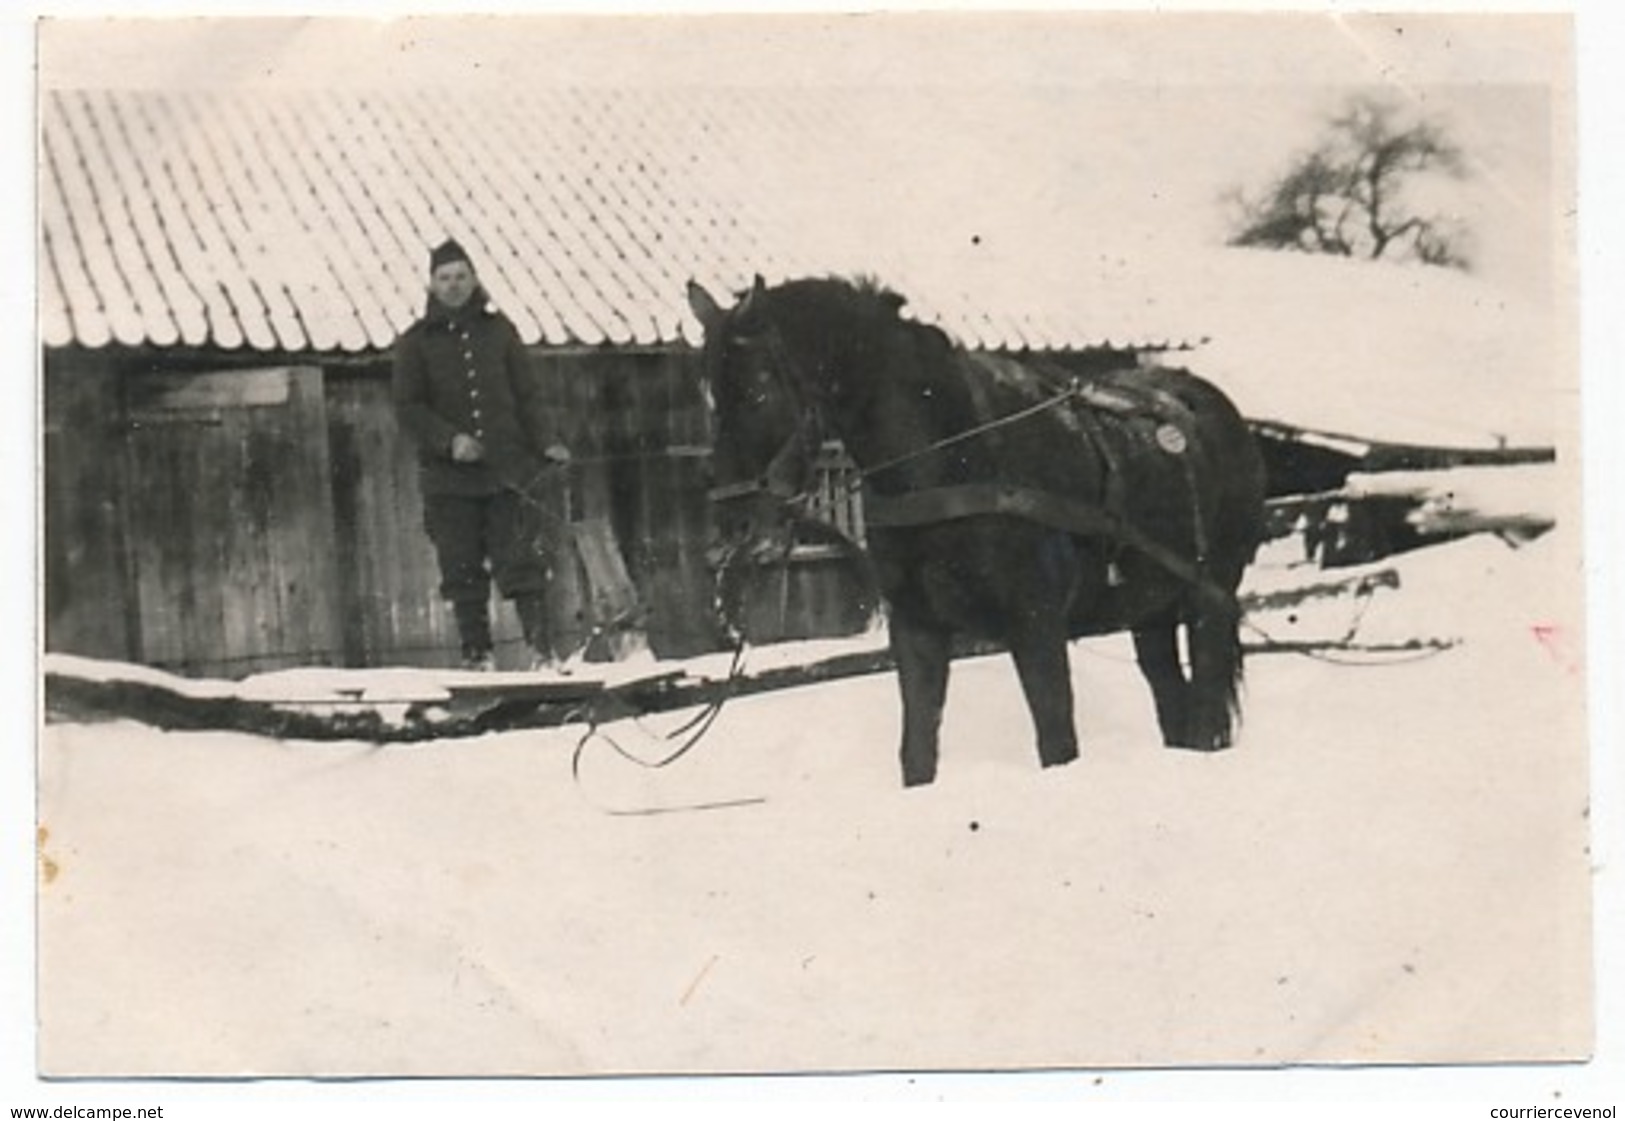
(787, 477)
(791, 492)
(786, 486)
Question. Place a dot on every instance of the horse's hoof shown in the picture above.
(1058, 760)
(1218, 743)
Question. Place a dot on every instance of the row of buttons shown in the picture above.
(473, 389)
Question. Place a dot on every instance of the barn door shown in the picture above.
(231, 521)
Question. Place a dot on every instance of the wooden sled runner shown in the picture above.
(425, 705)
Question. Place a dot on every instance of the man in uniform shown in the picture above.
(465, 393)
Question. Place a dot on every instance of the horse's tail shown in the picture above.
(1231, 527)
(1217, 674)
(1235, 681)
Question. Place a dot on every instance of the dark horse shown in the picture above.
(1008, 501)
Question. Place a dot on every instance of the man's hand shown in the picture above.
(466, 449)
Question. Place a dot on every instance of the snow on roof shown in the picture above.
(301, 220)
(1407, 354)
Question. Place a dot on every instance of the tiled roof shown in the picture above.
(300, 221)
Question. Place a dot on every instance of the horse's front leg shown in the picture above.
(922, 654)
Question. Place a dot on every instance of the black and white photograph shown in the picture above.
(824, 544)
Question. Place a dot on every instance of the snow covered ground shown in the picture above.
(1392, 866)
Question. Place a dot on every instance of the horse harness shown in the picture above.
(1174, 435)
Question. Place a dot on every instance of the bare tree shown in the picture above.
(1354, 193)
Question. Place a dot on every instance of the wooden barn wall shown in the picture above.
(232, 539)
(211, 534)
(654, 450)
(84, 560)
(188, 516)
(222, 521)
(638, 433)
(386, 568)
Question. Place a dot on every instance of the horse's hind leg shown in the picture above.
(1156, 647)
(922, 655)
(1215, 642)
(1039, 650)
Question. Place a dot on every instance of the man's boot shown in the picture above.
(474, 630)
(533, 621)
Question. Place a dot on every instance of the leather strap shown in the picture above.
(951, 503)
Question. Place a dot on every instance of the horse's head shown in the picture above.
(767, 430)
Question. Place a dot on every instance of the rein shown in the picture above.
(940, 504)
(1072, 391)
(687, 736)
(797, 441)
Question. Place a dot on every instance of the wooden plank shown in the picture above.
(234, 525)
(682, 586)
(1366, 583)
(553, 415)
(157, 532)
(345, 464)
(301, 523)
(1378, 455)
(567, 591)
(155, 395)
(458, 709)
(605, 529)
(87, 593)
(478, 709)
(678, 581)
(393, 577)
(232, 533)
(612, 595)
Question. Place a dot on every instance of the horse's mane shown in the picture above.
(852, 337)
(864, 307)
(860, 297)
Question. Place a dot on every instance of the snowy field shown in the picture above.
(1391, 866)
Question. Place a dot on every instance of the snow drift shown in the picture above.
(1390, 867)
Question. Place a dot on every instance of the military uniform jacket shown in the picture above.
(466, 371)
